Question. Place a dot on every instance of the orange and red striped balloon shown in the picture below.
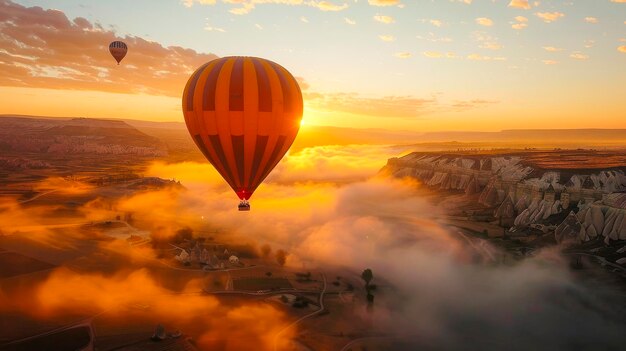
(243, 114)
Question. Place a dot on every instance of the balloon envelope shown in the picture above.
(118, 50)
(243, 114)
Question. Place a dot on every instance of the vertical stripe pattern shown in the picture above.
(118, 50)
(243, 114)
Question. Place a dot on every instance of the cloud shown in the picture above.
(437, 54)
(622, 48)
(349, 21)
(483, 21)
(521, 23)
(246, 6)
(189, 3)
(424, 273)
(387, 37)
(552, 49)
(304, 19)
(433, 54)
(210, 28)
(436, 23)
(464, 105)
(132, 296)
(408, 106)
(486, 41)
(384, 2)
(337, 164)
(327, 5)
(550, 62)
(550, 17)
(579, 56)
(384, 19)
(490, 46)
(44, 49)
(591, 20)
(386, 106)
(478, 57)
(520, 4)
(402, 55)
(432, 37)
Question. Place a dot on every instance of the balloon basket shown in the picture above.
(244, 206)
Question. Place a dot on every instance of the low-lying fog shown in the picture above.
(326, 207)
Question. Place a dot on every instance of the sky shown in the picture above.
(414, 65)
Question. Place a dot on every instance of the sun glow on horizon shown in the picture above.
(440, 72)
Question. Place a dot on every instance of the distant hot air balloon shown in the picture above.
(243, 114)
(118, 50)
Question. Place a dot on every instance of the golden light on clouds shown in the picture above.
(403, 55)
(383, 2)
(552, 49)
(483, 21)
(579, 56)
(39, 77)
(550, 17)
(436, 23)
(520, 4)
(479, 57)
(433, 54)
(387, 37)
(246, 6)
(384, 19)
(521, 23)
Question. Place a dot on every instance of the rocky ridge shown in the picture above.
(523, 193)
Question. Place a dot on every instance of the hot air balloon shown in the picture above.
(118, 50)
(243, 113)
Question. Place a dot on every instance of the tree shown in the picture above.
(266, 250)
(367, 276)
(183, 234)
(281, 257)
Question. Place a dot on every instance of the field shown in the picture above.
(257, 283)
(12, 264)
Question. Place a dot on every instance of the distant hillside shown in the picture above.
(174, 137)
(568, 136)
(23, 134)
(327, 135)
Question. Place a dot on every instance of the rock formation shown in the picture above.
(570, 231)
(522, 193)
